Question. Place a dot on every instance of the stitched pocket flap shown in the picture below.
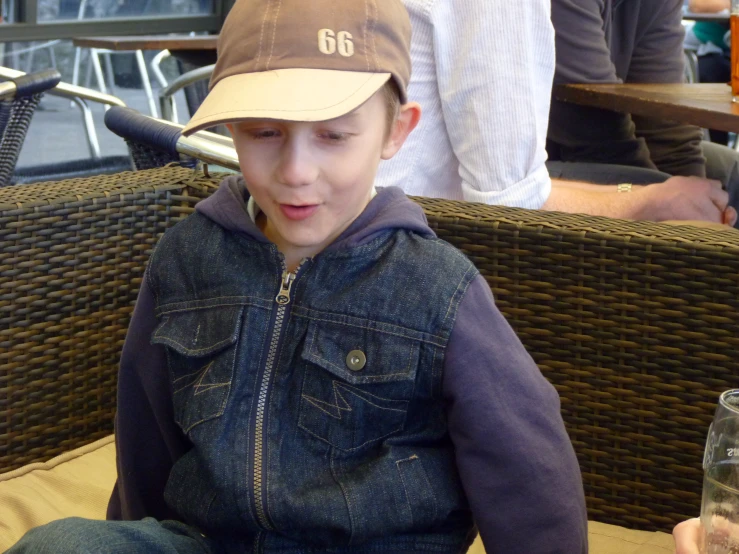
(199, 332)
(361, 354)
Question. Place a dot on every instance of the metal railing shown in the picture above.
(166, 95)
(165, 136)
(80, 96)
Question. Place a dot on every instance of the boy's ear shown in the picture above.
(408, 117)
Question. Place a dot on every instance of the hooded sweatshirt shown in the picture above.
(515, 461)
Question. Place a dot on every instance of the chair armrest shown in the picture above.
(154, 142)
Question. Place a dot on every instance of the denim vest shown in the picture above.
(312, 399)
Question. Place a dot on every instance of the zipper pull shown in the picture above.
(283, 297)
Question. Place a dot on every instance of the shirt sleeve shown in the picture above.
(675, 148)
(515, 459)
(148, 441)
(494, 66)
(580, 133)
(585, 134)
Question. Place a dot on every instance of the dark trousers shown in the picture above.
(715, 68)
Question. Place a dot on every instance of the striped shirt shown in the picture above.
(482, 72)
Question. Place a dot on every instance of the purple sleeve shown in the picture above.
(147, 439)
(515, 459)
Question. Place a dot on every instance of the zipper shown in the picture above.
(282, 299)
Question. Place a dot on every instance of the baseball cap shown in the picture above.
(302, 60)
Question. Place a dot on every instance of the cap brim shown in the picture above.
(288, 94)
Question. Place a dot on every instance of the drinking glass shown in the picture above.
(720, 505)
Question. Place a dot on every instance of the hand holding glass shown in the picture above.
(720, 506)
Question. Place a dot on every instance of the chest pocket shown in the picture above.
(356, 385)
(201, 350)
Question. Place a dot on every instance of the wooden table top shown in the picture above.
(149, 42)
(707, 105)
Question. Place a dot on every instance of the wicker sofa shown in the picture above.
(636, 325)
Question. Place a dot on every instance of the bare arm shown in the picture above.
(586, 198)
(682, 198)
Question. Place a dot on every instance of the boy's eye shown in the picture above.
(260, 133)
(333, 136)
(263, 134)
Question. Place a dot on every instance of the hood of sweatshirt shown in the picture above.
(389, 209)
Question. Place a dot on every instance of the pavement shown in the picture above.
(57, 134)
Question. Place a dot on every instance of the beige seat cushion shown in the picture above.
(79, 483)
(611, 539)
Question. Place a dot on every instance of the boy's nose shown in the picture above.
(297, 166)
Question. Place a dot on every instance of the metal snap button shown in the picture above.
(356, 360)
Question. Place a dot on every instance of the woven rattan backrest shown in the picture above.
(16, 114)
(71, 257)
(635, 324)
(147, 157)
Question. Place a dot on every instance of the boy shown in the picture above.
(308, 368)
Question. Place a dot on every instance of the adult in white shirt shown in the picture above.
(482, 72)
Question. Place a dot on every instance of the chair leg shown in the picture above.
(89, 72)
(95, 55)
(90, 132)
(29, 59)
(76, 69)
(15, 56)
(52, 56)
(109, 73)
(76, 66)
(146, 82)
(167, 106)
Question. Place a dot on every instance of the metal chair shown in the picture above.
(94, 63)
(18, 100)
(691, 66)
(76, 168)
(167, 105)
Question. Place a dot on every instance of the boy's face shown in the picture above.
(312, 179)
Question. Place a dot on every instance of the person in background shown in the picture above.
(486, 98)
(711, 41)
(635, 41)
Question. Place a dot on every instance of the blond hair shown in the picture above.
(391, 95)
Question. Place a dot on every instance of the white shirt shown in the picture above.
(482, 73)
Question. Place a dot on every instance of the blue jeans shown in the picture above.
(76, 536)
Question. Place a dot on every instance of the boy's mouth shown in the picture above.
(297, 213)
